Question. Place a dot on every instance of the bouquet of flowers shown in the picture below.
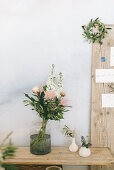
(48, 101)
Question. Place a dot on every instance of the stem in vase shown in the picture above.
(42, 129)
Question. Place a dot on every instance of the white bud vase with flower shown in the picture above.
(49, 103)
(85, 150)
(71, 133)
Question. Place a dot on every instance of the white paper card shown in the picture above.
(107, 100)
(112, 56)
(104, 75)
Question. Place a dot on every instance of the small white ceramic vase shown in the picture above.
(73, 147)
(84, 152)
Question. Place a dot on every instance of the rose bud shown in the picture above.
(62, 94)
(35, 89)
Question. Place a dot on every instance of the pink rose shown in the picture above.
(49, 94)
(35, 89)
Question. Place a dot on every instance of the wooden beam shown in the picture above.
(102, 119)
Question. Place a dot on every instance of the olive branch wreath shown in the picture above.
(98, 36)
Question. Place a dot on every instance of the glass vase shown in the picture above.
(40, 139)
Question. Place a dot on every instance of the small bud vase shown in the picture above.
(84, 152)
(73, 147)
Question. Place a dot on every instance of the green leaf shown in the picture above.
(97, 19)
(45, 87)
(31, 98)
(10, 167)
(108, 28)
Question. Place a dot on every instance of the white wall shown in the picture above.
(33, 35)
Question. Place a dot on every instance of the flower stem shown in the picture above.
(41, 134)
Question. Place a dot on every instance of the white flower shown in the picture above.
(52, 82)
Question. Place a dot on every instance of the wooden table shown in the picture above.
(61, 156)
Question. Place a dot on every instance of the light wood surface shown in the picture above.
(102, 119)
(61, 156)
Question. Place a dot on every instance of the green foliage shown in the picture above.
(47, 109)
(67, 131)
(9, 167)
(85, 142)
(98, 36)
(7, 150)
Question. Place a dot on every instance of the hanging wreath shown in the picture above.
(98, 36)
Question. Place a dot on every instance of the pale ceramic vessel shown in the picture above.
(53, 168)
(73, 147)
(84, 152)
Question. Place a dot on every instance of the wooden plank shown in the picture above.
(61, 156)
(102, 119)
